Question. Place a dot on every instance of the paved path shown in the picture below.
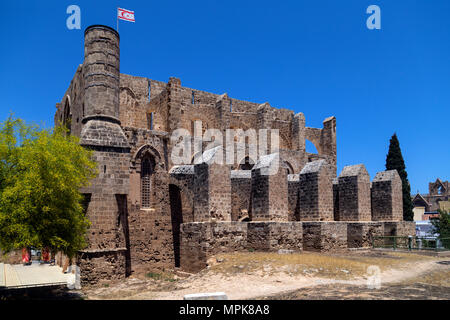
(2, 275)
(35, 275)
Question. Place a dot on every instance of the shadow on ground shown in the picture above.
(346, 292)
(58, 293)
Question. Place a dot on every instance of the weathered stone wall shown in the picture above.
(105, 203)
(387, 197)
(360, 234)
(298, 134)
(195, 238)
(272, 236)
(105, 199)
(125, 119)
(354, 194)
(183, 178)
(241, 187)
(101, 71)
(294, 160)
(328, 143)
(100, 265)
(212, 197)
(402, 229)
(144, 142)
(243, 120)
(174, 106)
(228, 237)
(208, 114)
(150, 228)
(70, 111)
(324, 236)
(269, 190)
(399, 228)
(156, 87)
(133, 99)
(315, 192)
(200, 240)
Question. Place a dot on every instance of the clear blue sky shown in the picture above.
(313, 56)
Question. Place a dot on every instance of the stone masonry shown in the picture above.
(361, 234)
(387, 200)
(150, 213)
(269, 190)
(316, 192)
(354, 194)
(324, 236)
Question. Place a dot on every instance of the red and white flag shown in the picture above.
(124, 14)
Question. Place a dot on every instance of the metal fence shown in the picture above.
(411, 243)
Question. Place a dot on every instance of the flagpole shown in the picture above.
(117, 17)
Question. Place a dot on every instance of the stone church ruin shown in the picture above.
(148, 213)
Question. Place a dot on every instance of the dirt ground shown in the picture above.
(255, 275)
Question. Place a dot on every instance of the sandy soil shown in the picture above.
(286, 278)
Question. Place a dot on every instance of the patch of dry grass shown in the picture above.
(124, 289)
(337, 266)
(166, 276)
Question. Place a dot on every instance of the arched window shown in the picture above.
(148, 165)
(288, 167)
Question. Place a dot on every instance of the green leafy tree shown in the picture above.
(41, 173)
(441, 226)
(394, 160)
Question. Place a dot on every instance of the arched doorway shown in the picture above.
(177, 219)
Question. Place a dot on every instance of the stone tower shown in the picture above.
(106, 197)
(101, 75)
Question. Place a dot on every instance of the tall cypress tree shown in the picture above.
(394, 160)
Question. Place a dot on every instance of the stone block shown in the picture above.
(399, 228)
(354, 194)
(212, 185)
(206, 296)
(387, 197)
(360, 234)
(316, 192)
(324, 236)
(269, 190)
(241, 188)
(273, 236)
